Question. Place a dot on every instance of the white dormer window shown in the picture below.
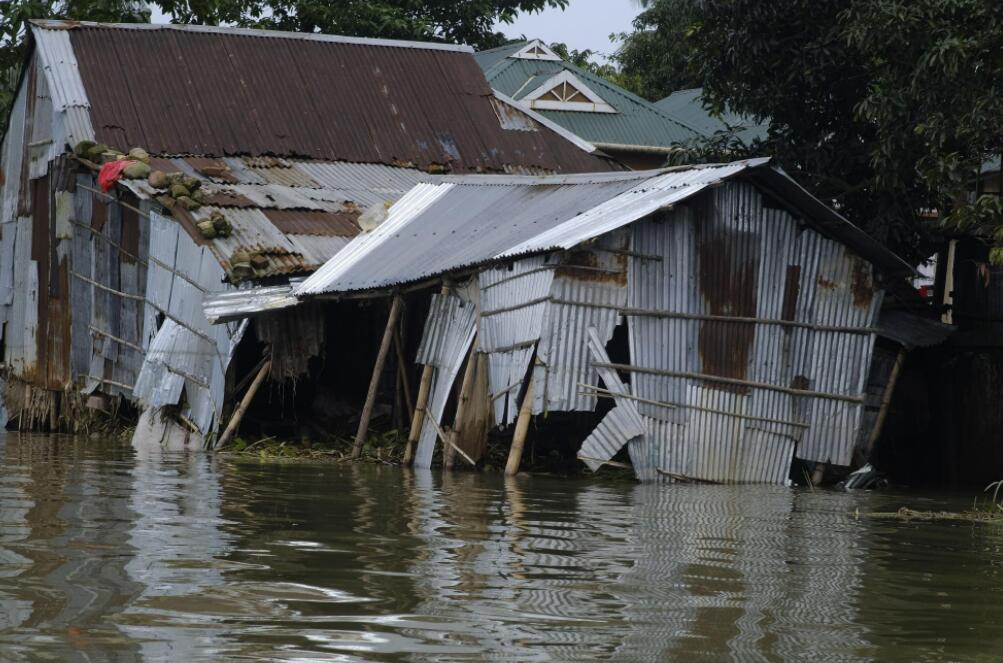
(565, 91)
(536, 50)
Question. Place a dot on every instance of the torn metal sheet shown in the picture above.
(514, 299)
(236, 304)
(615, 430)
(621, 425)
(449, 333)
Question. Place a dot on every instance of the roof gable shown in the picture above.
(565, 91)
(536, 50)
(629, 120)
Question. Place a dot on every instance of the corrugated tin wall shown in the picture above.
(728, 256)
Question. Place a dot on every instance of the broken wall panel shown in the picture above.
(188, 358)
(514, 300)
(621, 425)
(588, 292)
(449, 332)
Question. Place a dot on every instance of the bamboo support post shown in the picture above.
(374, 381)
(238, 414)
(419, 413)
(521, 429)
(420, 405)
(886, 399)
(467, 386)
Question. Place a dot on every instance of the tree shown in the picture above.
(459, 21)
(885, 108)
(654, 59)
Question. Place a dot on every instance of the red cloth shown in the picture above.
(111, 172)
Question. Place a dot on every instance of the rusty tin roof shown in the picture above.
(215, 91)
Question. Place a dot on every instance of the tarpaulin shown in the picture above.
(111, 172)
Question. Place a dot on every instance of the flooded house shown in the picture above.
(257, 153)
(717, 321)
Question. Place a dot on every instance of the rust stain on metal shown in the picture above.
(187, 222)
(584, 265)
(826, 283)
(130, 228)
(224, 198)
(164, 165)
(285, 97)
(727, 265)
(303, 222)
(24, 191)
(215, 169)
(862, 283)
(792, 288)
(99, 212)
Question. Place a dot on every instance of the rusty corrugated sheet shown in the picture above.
(330, 224)
(260, 93)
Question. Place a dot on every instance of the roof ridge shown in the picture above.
(60, 24)
(595, 78)
(504, 46)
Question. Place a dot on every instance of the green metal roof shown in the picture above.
(688, 107)
(637, 122)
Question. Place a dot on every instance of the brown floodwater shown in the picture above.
(110, 555)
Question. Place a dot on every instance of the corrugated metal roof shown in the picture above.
(298, 228)
(230, 91)
(637, 121)
(687, 105)
(463, 221)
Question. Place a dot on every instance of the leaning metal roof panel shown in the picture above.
(463, 222)
(246, 92)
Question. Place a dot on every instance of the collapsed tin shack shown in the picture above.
(747, 309)
(286, 137)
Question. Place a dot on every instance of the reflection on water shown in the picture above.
(106, 555)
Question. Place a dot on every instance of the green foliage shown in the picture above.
(885, 108)
(654, 60)
(459, 21)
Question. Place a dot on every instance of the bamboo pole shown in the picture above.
(245, 402)
(521, 429)
(419, 413)
(467, 386)
(420, 404)
(886, 399)
(374, 381)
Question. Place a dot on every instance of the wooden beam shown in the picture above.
(245, 403)
(886, 399)
(521, 429)
(374, 381)
(467, 386)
